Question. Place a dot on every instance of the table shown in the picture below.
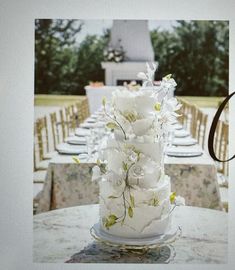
(69, 184)
(63, 236)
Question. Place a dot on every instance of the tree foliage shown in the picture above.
(196, 53)
(54, 55)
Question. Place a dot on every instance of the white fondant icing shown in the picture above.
(145, 214)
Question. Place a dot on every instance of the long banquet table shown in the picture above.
(69, 184)
(63, 236)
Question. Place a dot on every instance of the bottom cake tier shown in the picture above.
(135, 212)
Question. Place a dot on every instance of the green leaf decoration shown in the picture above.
(130, 117)
(154, 201)
(110, 221)
(103, 168)
(112, 217)
(104, 101)
(112, 125)
(157, 107)
(112, 197)
(132, 200)
(124, 166)
(130, 212)
(76, 160)
(172, 197)
(168, 77)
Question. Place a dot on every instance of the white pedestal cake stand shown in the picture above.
(136, 245)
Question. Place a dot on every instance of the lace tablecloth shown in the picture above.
(63, 236)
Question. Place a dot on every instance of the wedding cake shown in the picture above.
(135, 193)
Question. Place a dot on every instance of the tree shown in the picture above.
(54, 63)
(89, 58)
(196, 53)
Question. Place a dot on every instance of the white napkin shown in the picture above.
(65, 148)
(82, 132)
(76, 140)
(177, 126)
(92, 125)
(90, 120)
(181, 133)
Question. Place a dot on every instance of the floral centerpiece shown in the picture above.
(116, 54)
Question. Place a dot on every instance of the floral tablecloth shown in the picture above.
(69, 184)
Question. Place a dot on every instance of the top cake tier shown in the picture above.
(147, 113)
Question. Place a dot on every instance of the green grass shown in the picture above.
(62, 100)
(206, 102)
(54, 100)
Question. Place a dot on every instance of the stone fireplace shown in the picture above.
(134, 37)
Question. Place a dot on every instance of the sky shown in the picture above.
(96, 27)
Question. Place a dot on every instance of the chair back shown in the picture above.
(55, 129)
(41, 142)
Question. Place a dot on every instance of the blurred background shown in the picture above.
(69, 53)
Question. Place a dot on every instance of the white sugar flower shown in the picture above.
(96, 173)
(141, 126)
(172, 105)
(148, 77)
(123, 100)
(142, 76)
(179, 201)
(168, 81)
(113, 178)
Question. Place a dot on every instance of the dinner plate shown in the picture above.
(184, 141)
(76, 140)
(81, 132)
(92, 125)
(94, 116)
(177, 126)
(90, 120)
(181, 133)
(67, 149)
(174, 122)
(87, 125)
(181, 154)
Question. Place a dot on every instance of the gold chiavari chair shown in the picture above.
(181, 111)
(223, 148)
(41, 144)
(217, 137)
(64, 124)
(193, 123)
(82, 109)
(41, 149)
(200, 127)
(55, 129)
(221, 151)
(70, 118)
(185, 112)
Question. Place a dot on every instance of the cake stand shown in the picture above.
(137, 245)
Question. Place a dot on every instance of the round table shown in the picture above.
(64, 236)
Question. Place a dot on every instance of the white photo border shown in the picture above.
(17, 110)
